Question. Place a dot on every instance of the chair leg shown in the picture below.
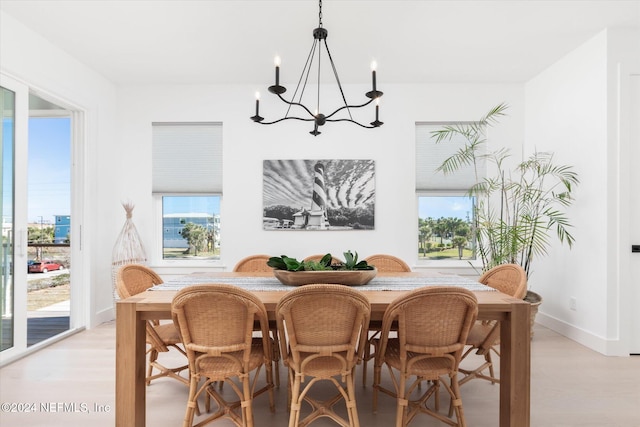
(276, 357)
(455, 386)
(191, 402)
(365, 360)
(352, 410)
(401, 409)
(294, 414)
(376, 383)
(487, 357)
(367, 356)
(247, 413)
(153, 356)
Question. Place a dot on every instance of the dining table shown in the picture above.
(514, 314)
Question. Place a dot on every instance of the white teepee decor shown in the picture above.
(128, 248)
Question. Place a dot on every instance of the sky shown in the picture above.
(49, 169)
(7, 170)
(444, 207)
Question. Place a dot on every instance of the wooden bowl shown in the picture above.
(341, 277)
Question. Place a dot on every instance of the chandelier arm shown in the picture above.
(291, 103)
(352, 121)
(287, 118)
(318, 84)
(347, 107)
(335, 73)
(304, 76)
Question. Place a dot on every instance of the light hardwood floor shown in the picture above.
(570, 386)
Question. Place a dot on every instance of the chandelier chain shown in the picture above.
(320, 13)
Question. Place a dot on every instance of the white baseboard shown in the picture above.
(581, 336)
(106, 315)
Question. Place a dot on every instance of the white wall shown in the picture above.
(572, 108)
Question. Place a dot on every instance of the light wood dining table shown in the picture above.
(133, 312)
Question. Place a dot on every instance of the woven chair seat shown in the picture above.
(478, 333)
(322, 367)
(219, 368)
(428, 369)
(168, 333)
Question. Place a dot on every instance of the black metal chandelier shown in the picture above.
(319, 119)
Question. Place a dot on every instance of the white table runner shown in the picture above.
(376, 284)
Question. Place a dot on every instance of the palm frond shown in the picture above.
(513, 215)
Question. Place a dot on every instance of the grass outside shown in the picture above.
(47, 291)
(45, 297)
(446, 254)
(177, 253)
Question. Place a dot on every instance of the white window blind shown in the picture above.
(187, 158)
(429, 156)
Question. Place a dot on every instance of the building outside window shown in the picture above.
(202, 236)
(62, 231)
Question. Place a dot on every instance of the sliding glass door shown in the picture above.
(7, 144)
(36, 254)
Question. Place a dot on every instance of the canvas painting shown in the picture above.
(318, 194)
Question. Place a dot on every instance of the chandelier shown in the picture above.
(317, 117)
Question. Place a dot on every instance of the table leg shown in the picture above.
(515, 367)
(130, 366)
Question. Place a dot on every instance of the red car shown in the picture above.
(44, 266)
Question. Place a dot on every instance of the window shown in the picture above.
(187, 182)
(190, 227)
(444, 227)
(445, 212)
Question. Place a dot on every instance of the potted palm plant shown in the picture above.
(516, 211)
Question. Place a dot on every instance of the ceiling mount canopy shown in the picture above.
(317, 116)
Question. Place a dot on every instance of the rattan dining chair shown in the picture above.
(484, 337)
(253, 263)
(382, 263)
(388, 263)
(258, 264)
(216, 322)
(131, 280)
(433, 324)
(325, 327)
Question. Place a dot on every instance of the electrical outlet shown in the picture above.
(573, 303)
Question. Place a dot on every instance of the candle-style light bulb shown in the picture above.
(257, 103)
(374, 65)
(276, 61)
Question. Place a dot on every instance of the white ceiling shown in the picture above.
(234, 42)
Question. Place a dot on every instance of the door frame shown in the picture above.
(79, 309)
(634, 214)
